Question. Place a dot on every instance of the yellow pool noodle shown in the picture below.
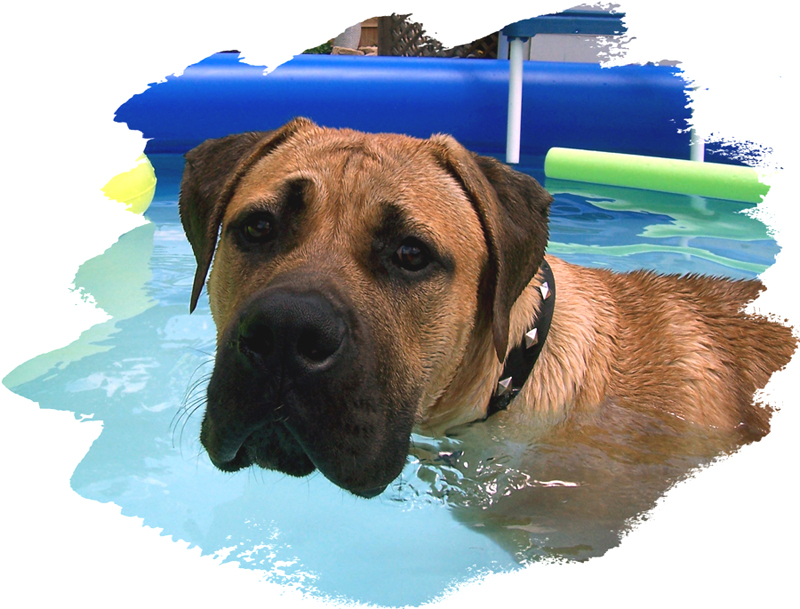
(134, 188)
(714, 180)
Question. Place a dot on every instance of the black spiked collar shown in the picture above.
(520, 360)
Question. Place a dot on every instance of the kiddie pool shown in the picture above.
(138, 370)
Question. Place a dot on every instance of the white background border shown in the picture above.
(727, 537)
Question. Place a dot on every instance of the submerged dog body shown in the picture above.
(364, 286)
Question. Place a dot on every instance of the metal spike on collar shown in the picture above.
(503, 387)
(521, 359)
(545, 290)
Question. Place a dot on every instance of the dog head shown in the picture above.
(351, 273)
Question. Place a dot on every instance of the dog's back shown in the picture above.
(684, 345)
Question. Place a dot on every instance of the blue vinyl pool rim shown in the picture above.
(634, 109)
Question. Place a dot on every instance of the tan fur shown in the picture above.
(679, 345)
(353, 178)
(620, 345)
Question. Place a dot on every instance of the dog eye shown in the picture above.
(257, 228)
(412, 255)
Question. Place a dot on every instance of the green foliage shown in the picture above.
(323, 49)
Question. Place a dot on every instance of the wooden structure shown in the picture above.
(397, 36)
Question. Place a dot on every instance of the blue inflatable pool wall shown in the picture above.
(629, 109)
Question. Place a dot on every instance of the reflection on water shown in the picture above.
(571, 494)
(483, 499)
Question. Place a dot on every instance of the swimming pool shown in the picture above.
(442, 521)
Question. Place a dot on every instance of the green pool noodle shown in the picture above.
(713, 180)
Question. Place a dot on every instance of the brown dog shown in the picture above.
(364, 286)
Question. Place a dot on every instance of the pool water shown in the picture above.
(143, 374)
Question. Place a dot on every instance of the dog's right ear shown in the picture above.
(213, 170)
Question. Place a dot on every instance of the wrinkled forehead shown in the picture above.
(352, 175)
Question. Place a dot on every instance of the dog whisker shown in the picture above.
(206, 353)
(194, 398)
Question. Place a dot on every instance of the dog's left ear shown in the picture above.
(513, 210)
(213, 170)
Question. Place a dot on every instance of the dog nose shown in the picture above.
(300, 332)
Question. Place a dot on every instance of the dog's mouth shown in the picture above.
(347, 449)
(275, 447)
(270, 447)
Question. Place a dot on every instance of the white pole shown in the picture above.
(514, 100)
(697, 147)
